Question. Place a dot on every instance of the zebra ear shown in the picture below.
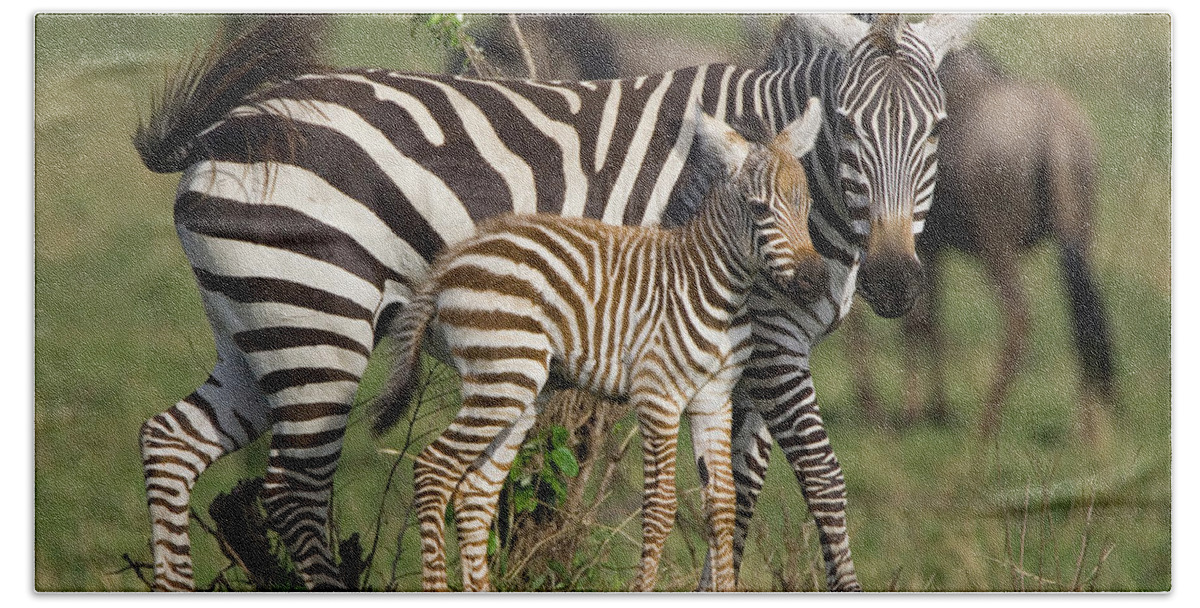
(719, 139)
(800, 135)
(838, 31)
(945, 32)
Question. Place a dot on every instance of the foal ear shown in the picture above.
(945, 32)
(719, 139)
(800, 135)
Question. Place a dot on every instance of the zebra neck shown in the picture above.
(775, 96)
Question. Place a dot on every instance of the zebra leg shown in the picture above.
(477, 498)
(497, 395)
(224, 414)
(795, 422)
(659, 426)
(750, 455)
(310, 390)
(710, 423)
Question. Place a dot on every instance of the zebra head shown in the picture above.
(888, 108)
(768, 182)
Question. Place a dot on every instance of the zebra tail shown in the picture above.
(213, 83)
(1092, 339)
(406, 331)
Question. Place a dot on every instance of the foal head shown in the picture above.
(768, 183)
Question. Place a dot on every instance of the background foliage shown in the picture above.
(120, 335)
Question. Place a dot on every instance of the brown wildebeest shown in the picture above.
(1017, 164)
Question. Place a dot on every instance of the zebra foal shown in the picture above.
(653, 315)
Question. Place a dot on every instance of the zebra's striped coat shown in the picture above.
(654, 316)
(310, 208)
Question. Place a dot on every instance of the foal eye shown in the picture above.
(934, 132)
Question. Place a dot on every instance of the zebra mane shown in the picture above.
(792, 43)
(213, 83)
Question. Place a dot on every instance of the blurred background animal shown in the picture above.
(1017, 166)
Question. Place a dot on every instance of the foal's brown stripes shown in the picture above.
(661, 322)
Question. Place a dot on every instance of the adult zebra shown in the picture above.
(309, 208)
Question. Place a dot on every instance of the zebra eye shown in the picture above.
(934, 132)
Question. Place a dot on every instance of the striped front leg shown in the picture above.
(711, 444)
(788, 406)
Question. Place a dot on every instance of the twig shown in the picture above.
(525, 54)
(1087, 530)
(137, 569)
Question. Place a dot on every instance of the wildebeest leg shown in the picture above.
(860, 350)
(924, 349)
(1001, 264)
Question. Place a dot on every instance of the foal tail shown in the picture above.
(407, 331)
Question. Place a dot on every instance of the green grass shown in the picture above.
(120, 335)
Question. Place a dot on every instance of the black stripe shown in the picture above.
(282, 228)
(275, 338)
(259, 289)
(299, 376)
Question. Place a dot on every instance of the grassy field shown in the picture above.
(120, 335)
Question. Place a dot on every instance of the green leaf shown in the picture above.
(493, 543)
(559, 437)
(560, 488)
(564, 460)
(524, 500)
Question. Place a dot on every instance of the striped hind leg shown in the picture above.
(224, 414)
(658, 422)
(309, 371)
(499, 387)
(477, 498)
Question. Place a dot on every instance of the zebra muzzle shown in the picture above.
(810, 281)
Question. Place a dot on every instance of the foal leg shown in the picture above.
(498, 394)
(710, 416)
(750, 455)
(658, 421)
(477, 498)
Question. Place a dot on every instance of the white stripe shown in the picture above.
(576, 181)
(675, 158)
(236, 317)
(614, 211)
(513, 169)
(723, 96)
(427, 193)
(571, 97)
(608, 122)
(318, 355)
(234, 258)
(416, 110)
(739, 91)
(301, 190)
